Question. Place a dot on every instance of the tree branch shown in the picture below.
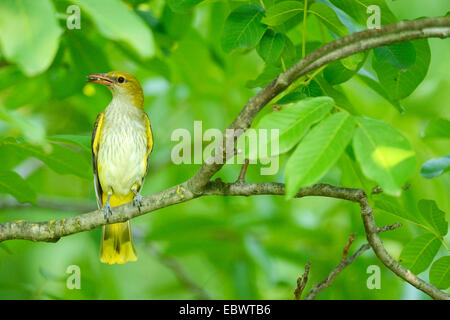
(200, 183)
(377, 246)
(53, 230)
(244, 168)
(341, 266)
(333, 274)
(301, 282)
(333, 51)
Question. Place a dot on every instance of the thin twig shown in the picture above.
(345, 262)
(341, 266)
(347, 246)
(243, 171)
(301, 282)
(389, 227)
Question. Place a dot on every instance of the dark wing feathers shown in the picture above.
(149, 140)
(149, 146)
(94, 145)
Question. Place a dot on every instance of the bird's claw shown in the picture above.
(107, 209)
(137, 200)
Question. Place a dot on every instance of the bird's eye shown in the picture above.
(121, 79)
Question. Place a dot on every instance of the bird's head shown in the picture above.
(121, 84)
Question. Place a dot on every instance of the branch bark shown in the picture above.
(301, 282)
(345, 262)
(200, 184)
(333, 274)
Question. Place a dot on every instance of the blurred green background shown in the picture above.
(226, 248)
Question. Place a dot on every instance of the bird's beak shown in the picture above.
(101, 78)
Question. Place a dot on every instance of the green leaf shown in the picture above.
(418, 254)
(282, 11)
(392, 206)
(243, 28)
(13, 184)
(401, 55)
(82, 141)
(438, 128)
(355, 61)
(339, 97)
(32, 92)
(176, 24)
(86, 57)
(440, 273)
(181, 6)
(294, 121)
(291, 97)
(375, 86)
(60, 159)
(33, 131)
(357, 9)
(120, 23)
(311, 90)
(435, 167)
(271, 46)
(384, 154)
(267, 75)
(433, 217)
(318, 151)
(329, 18)
(286, 27)
(29, 34)
(342, 70)
(289, 53)
(401, 83)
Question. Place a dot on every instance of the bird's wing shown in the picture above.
(95, 145)
(149, 145)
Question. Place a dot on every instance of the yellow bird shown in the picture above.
(121, 145)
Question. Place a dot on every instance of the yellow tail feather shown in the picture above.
(117, 241)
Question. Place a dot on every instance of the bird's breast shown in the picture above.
(122, 151)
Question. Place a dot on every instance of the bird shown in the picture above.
(122, 142)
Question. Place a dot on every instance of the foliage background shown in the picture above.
(233, 248)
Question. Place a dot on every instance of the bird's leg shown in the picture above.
(107, 209)
(137, 200)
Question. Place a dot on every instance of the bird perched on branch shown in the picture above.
(121, 145)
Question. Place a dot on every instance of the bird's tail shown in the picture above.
(117, 241)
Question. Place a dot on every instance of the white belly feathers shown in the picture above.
(122, 149)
